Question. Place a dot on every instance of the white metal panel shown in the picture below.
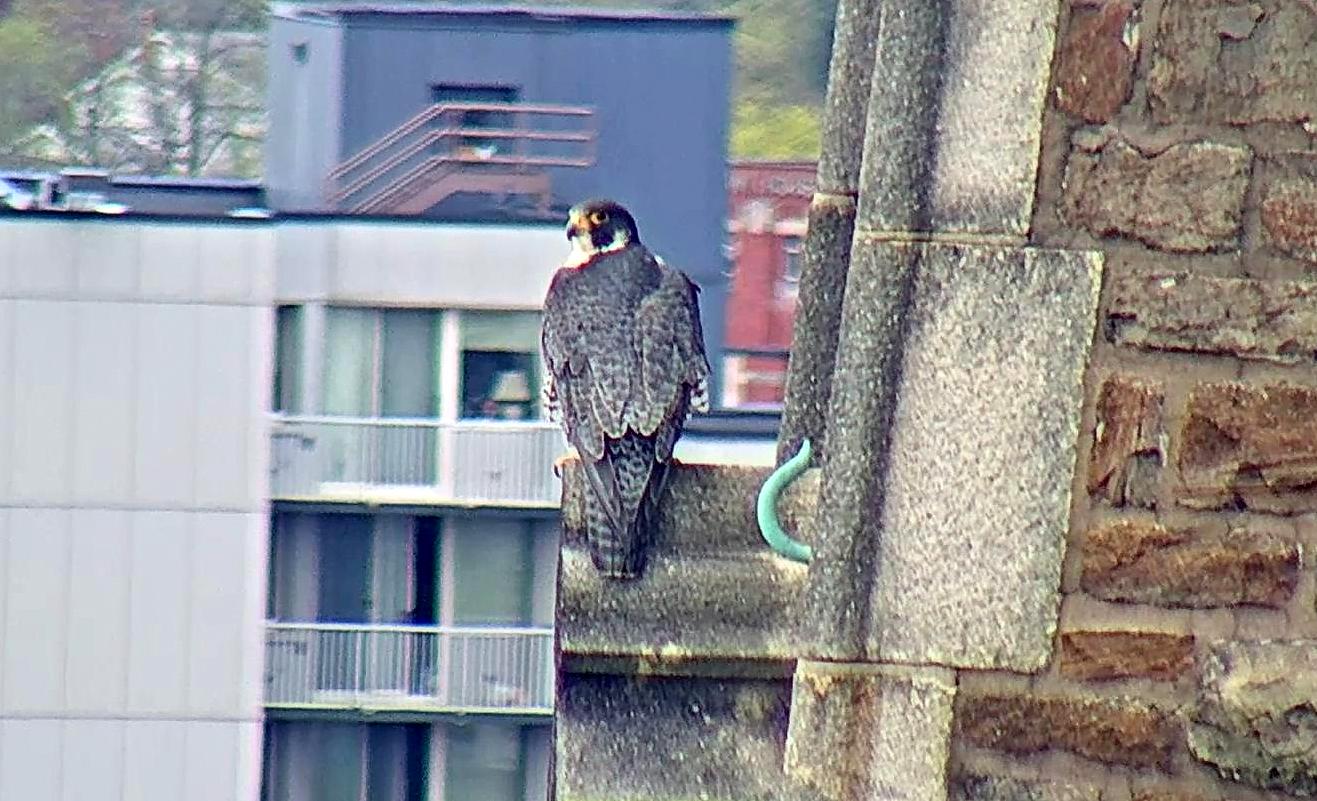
(444, 266)
(249, 752)
(93, 760)
(227, 255)
(168, 384)
(43, 256)
(159, 582)
(7, 388)
(30, 759)
(107, 260)
(36, 610)
(103, 422)
(216, 597)
(211, 756)
(43, 400)
(99, 636)
(168, 263)
(304, 255)
(154, 764)
(10, 235)
(5, 538)
(251, 624)
(221, 455)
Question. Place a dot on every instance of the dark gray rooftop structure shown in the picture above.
(467, 110)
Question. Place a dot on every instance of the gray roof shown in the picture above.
(506, 12)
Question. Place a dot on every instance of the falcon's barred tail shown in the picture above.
(632, 482)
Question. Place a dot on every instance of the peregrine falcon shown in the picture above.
(626, 363)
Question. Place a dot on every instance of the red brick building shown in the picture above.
(769, 208)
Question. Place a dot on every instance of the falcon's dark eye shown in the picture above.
(598, 217)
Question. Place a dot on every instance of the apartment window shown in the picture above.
(287, 359)
(348, 568)
(380, 362)
(332, 761)
(500, 365)
(485, 761)
(792, 261)
(493, 570)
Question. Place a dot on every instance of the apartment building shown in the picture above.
(414, 514)
(277, 513)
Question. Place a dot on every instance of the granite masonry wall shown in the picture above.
(1178, 140)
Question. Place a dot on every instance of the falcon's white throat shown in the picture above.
(583, 248)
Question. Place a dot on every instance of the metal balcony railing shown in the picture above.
(366, 667)
(424, 160)
(415, 460)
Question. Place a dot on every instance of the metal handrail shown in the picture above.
(335, 195)
(410, 628)
(442, 108)
(407, 422)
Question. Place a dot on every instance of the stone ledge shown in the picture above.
(708, 509)
(683, 608)
(644, 737)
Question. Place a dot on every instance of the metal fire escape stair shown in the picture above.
(438, 153)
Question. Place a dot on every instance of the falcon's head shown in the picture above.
(599, 226)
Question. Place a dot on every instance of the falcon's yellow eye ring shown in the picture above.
(598, 217)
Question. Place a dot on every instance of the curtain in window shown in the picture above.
(338, 775)
(392, 580)
(287, 396)
(408, 385)
(491, 572)
(349, 362)
(517, 331)
(484, 762)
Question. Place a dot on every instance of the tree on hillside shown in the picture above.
(186, 100)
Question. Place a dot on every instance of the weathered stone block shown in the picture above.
(1127, 450)
(984, 787)
(1188, 198)
(1095, 66)
(967, 569)
(1136, 562)
(629, 737)
(1289, 216)
(956, 142)
(862, 732)
(1255, 720)
(1170, 793)
(1103, 655)
(1113, 731)
(1250, 446)
(1263, 320)
(683, 608)
(1229, 61)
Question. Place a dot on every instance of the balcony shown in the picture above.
(415, 461)
(382, 668)
(489, 148)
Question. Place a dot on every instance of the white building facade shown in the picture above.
(277, 516)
